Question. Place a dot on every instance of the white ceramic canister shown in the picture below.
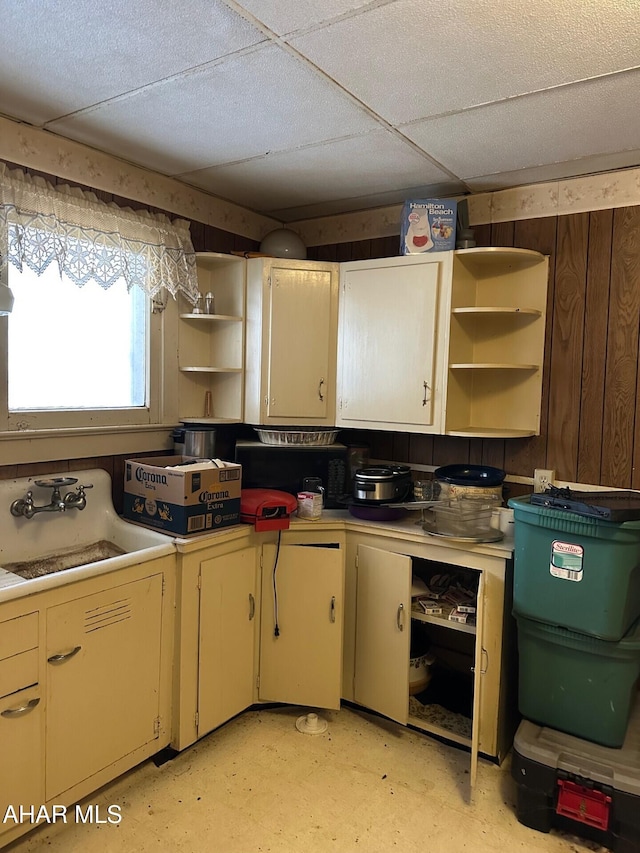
(310, 505)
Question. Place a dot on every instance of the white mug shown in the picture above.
(502, 519)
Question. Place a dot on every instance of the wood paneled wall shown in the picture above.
(591, 381)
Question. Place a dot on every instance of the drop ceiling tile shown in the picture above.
(373, 163)
(287, 16)
(242, 107)
(418, 58)
(58, 58)
(568, 123)
(367, 202)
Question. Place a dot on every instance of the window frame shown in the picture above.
(50, 435)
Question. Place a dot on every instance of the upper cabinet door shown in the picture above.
(292, 318)
(393, 334)
(299, 383)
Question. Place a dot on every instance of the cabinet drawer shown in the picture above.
(18, 672)
(18, 635)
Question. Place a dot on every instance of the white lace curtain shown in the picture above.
(91, 240)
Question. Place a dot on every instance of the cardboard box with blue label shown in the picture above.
(428, 225)
(182, 497)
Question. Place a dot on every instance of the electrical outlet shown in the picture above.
(542, 479)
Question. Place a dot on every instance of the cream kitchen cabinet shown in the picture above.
(230, 590)
(451, 342)
(21, 715)
(228, 616)
(301, 627)
(291, 333)
(378, 628)
(383, 640)
(85, 684)
(217, 618)
(211, 345)
(393, 316)
(21, 747)
(103, 676)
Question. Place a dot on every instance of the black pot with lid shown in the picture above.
(378, 484)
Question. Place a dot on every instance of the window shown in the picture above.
(76, 347)
(87, 345)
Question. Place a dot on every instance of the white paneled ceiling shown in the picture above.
(299, 108)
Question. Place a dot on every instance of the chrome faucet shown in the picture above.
(72, 500)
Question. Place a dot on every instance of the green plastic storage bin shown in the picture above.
(576, 683)
(574, 571)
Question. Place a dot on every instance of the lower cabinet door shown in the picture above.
(21, 754)
(383, 632)
(103, 677)
(226, 673)
(301, 625)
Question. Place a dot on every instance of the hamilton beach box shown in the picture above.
(184, 500)
(428, 225)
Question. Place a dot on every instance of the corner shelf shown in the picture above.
(208, 318)
(211, 346)
(211, 369)
(485, 260)
(495, 309)
(493, 432)
(496, 342)
(493, 366)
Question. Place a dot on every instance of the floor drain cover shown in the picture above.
(311, 724)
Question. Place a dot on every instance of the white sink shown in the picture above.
(72, 542)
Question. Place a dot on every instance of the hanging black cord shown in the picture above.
(276, 630)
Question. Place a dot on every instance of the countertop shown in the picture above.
(332, 519)
(12, 586)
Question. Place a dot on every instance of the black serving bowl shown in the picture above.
(470, 475)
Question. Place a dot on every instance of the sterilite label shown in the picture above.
(566, 560)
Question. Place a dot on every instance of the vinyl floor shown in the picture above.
(258, 785)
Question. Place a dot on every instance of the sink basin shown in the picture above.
(35, 549)
(102, 550)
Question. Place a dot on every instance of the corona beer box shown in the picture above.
(179, 496)
(428, 225)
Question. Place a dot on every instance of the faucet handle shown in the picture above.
(82, 488)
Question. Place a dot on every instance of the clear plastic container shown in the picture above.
(465, 516)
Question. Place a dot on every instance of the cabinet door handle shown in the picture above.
(399, 619)
(332, 611)
(485, 654)
(320, 394)
(63, 658)
(22, 710)
(485, 667)
(427, 393)
(252, 607)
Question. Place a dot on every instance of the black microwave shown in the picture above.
(275, 466)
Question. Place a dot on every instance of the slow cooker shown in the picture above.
(382, 484)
